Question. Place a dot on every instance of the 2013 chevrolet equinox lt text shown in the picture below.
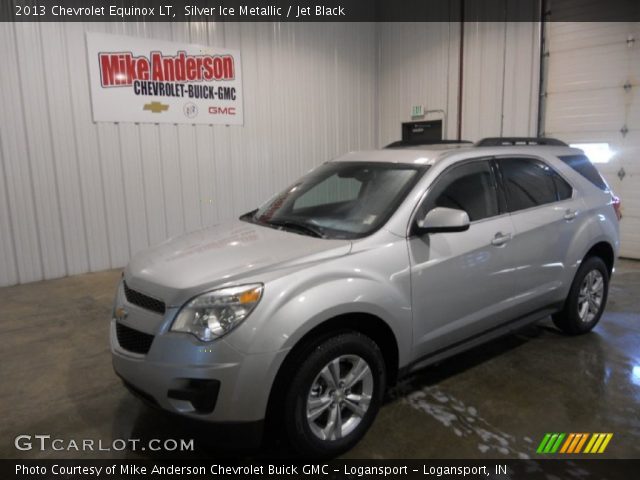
(369, 267)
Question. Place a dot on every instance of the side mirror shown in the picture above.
(441, 219)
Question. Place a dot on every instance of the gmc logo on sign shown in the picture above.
(222, 110)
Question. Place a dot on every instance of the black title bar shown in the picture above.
(318, 10)
(320, 470)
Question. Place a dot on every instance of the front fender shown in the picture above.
(294, 305)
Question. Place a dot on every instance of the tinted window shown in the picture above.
(339, 199)
(468, 187)
(333, 189)
(582, 165)
(529, 183)
(563, 189)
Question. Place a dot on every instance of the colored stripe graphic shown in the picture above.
(598, 443)
(568, 442)
(573, 443)
(550, 443)
(557, 444)
(581, 443)
(607, 439)
(596, 446)
(543, 443)
(591, 442)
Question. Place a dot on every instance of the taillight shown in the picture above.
(615, 201)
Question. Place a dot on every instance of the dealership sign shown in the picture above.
(142, 80)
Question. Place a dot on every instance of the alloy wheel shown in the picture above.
(590, 296)
(339, 397)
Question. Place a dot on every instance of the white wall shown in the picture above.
(77, 196)
(501, 79)
(419, 65)
(588, 66)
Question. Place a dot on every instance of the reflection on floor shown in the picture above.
(497, 401)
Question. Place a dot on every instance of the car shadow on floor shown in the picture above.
(436, 373)
(151, 423)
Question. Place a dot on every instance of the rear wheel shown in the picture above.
(335, 395)
(587, 298)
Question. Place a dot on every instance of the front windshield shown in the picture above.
(339, 199)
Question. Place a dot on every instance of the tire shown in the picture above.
(586, 301)
(315, 388)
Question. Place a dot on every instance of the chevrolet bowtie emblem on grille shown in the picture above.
(156, 107)
(121, 313)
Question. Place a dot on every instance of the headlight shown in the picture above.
(214, 314)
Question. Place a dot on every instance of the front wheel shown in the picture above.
(587, 298)
(335, 395)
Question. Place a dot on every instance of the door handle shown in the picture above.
(500, 239)
(570, 214)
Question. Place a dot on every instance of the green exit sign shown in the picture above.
(417, 111)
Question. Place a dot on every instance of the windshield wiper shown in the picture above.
(294, 225)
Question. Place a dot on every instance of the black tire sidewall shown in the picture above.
(571, 321)
(299, 432)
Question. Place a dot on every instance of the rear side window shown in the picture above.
(563, 189)
(582, 165)
(529, 183)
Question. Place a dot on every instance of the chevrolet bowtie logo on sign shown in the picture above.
(156, 107)
(574, 443)
(127, 72)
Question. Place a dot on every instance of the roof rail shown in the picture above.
(417, 143)
(502, 141)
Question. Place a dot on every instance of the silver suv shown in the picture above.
(369, 267)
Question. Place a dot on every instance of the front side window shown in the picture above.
(340, 199)
(530, 183)
(469, 187)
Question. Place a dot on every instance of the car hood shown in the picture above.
(224, 254)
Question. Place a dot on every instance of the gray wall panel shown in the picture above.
(77, 196)
(419, 65)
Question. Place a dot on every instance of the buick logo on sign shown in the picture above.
(190, 110)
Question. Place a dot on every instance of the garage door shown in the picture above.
(592, 82)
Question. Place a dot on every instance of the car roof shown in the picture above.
(430, 154)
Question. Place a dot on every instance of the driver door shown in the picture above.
(462, 283)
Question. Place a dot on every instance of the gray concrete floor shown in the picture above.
(496, 401)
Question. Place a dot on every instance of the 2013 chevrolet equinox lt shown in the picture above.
(369, 267)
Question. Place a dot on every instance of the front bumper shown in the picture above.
(212, 381)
